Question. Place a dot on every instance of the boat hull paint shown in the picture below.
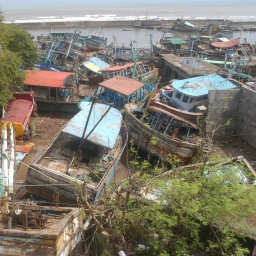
(164, 146)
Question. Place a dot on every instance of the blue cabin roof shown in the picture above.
(96, 65)
(201, 85)
(105, 133)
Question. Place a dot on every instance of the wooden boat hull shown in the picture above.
(61, 234)
(59, 184)
(57, 106)
(156, 143)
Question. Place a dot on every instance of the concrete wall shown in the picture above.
(127, 23)
(222, 106)
(246, 127)
(240, 106)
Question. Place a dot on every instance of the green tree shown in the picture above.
(186, 210)
(17, 52)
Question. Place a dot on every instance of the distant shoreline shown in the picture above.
(129, 23)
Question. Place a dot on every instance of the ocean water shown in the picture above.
(84, 10)
(107, 10)
(139, 36)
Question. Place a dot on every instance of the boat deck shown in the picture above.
(30, 229)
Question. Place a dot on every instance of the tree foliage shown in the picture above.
(18, 52)
(183, 211)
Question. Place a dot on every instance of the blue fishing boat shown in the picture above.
(122, 90)
(169, 123)
(87, 150)
(96, 41)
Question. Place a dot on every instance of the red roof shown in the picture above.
(123, 85)
(17, 111)
(46, 78)
(227, 44)
(116, 68)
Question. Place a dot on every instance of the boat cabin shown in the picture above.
(121, 90)
(192, 92)
(50, 85)
(119, 70)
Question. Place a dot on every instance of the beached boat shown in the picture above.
(157, 133)
(174, 45)
(121, 90)
(90, 71)
(54, 91)
(96, 42)
(30, 229)
(87, 150)
(141, 72)
(62, 49)
(191, 95)
(168, 124)
(182, 25)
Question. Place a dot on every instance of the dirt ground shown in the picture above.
(235, 146)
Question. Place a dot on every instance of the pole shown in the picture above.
(12, 158)
(151, 44)
(86, 124)
(4, 161)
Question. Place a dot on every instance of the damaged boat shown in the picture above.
(87, 150)
(160, 132)
(54, 91)
(30, 229)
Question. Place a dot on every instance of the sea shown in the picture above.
(18, 11)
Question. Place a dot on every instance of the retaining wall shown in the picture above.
(237, 105)
(246, 127)
(127, 23)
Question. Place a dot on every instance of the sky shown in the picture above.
(23, 4)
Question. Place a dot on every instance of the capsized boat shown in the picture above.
(87, 150)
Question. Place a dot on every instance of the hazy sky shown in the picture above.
(23, 4)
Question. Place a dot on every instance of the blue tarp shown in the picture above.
(106, 132)
(201, 85)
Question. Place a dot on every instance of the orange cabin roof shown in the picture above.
(230, 43)
(46, 78)
(123, 85)
(117, 68)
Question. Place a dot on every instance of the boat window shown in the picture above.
(205, 97)
(199, 98)
(192, 100)
(178, 95)
(185, 98)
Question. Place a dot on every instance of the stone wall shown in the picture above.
(222, 106)
(239, 106)
(246, 127)
(126, 23)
